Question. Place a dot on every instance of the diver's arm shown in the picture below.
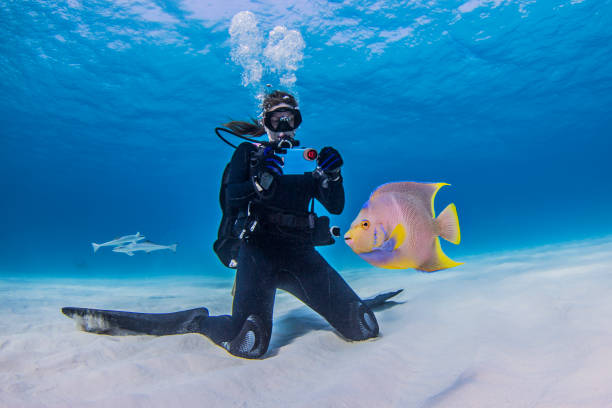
(330, 194)
(240, 188)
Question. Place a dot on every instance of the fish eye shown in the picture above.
(365, 224)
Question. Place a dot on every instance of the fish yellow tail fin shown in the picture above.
(448, 224)
(438, 260)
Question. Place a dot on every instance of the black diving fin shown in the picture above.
(380, 299)
(116, 322)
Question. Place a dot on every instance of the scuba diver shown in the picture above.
(268, 233)
(279, 251)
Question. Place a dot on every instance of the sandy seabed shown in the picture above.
(529, 328)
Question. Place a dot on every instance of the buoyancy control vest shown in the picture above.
(236, 223)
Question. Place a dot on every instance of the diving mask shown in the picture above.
(285, 119)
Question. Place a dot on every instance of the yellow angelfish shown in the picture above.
(397, 228)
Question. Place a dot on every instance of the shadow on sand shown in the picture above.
(303, 320)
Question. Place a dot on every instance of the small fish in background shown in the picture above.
(118, 241)
(146, 246)
(397, 228)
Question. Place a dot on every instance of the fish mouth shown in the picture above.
(348, 241)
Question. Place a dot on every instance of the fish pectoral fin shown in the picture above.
(130, 253)
(397, 237)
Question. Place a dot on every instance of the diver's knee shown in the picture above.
(252, 341)
(362, 323)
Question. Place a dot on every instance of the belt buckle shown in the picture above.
(311, 220)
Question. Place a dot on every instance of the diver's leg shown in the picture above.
(311, 279)
(247, 332)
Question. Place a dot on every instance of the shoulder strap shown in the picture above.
(224, 180)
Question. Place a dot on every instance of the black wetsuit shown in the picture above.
(278, 254)
(279, 257)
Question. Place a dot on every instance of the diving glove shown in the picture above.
(329, 160)
(328, 165)
(266, 169)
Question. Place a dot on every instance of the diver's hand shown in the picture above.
(266, 169)
(330, 161)
(328, 166)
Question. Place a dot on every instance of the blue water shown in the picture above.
(107, 111)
